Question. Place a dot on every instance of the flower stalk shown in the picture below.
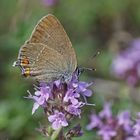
(57, 134)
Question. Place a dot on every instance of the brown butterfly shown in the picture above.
(48, 55)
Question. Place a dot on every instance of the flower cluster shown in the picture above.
(126, 65)
(61, 101)
(120, 127)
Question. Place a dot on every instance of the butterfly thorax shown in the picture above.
(66, 77)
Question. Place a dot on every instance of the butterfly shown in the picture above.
(48, 54)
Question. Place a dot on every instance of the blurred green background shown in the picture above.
(92, 25)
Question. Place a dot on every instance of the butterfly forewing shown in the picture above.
(50, 32)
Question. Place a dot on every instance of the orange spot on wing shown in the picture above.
(26, 72)
(24, 62)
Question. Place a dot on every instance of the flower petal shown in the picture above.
(52, 118)
(56, 125)
(64, 123)
(35, 107)
(37, 93)
(87, 92)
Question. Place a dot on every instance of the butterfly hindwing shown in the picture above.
(33, 61)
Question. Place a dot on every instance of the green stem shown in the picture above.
(57, 134)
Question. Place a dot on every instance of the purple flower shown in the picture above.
(121, 65)
(49, 2)
(110, 127)
(41, 97)
(106, 132)
(57, 83)
(126, 65)
(60, 101)
(75, 109)
(125, 121)
(58, 120)
(71, 96)
(106, 112)
(136, 126)
(133, 138)
(81, 87)
(94, 122)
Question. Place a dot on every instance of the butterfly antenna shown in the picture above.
(88, 69)
(96, 54)
(82, 69)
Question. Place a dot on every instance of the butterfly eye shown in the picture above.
(79, 71)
